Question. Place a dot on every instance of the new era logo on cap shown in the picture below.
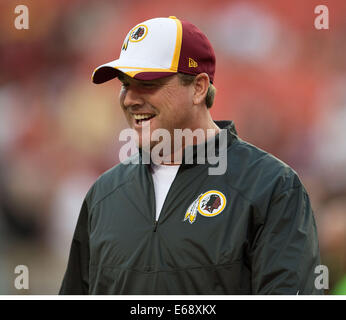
(192, 63)
(158, 48)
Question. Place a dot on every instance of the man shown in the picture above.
(171, 227)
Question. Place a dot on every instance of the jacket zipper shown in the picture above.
(155, 225)
(156, 222)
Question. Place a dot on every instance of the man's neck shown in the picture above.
(200, 136)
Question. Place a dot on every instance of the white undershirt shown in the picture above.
(163, 177)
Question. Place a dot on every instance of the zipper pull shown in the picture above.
(155, 225)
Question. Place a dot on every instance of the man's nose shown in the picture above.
(132, 97)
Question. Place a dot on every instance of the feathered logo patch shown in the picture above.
(138, 33)
(208, 204)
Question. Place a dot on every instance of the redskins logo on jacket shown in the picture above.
(208, 204)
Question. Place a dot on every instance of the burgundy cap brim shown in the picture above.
(107, 73)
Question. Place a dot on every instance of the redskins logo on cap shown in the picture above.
(138, 33)
(208, 204)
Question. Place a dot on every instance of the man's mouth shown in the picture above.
(141, 118)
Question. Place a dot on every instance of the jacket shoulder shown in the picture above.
(258, 174)
(110, 181)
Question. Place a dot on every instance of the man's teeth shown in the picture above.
(142, 116)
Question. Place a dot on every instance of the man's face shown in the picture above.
(163, 103)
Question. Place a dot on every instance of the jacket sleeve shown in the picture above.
(286, 249)
(76, 279)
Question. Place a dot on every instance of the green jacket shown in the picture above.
(248, 231)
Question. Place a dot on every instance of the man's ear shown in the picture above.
(201, 85)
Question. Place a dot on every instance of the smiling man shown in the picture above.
(172, 227)
(167, 104)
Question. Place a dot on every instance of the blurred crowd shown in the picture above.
(281, 80)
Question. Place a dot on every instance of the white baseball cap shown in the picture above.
(158, 48)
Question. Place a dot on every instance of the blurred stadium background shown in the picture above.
(282, 81)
